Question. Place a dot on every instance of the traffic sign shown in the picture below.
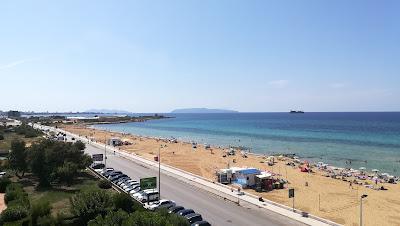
(291, 193)
(148, 183)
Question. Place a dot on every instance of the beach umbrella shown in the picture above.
(362, 168)
(375, 170)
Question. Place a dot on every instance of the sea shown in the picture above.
(349, 140)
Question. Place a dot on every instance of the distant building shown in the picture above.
(14, 114)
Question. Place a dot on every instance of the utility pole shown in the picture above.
(105, 150)
(159, 171)
(361, 214)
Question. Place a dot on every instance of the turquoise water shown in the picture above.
(369, 140)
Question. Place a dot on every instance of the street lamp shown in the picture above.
(361, 199)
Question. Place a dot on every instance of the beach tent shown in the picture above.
(304, 169)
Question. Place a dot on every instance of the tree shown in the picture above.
(17, 157)
(39, 164)
(80, 145)
(50, 160)
(89, 204)
(125, 202)
(67, 172)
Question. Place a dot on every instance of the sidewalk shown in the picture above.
(212, 187)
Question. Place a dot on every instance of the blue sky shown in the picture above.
(155, 56)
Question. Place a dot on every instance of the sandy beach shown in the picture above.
(329, 198)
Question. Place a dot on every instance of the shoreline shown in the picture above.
(310, 159)
(339, 202)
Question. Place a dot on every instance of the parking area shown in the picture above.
(148, 196)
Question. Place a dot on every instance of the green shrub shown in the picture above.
(104, 184)
(47, 220)
(15, 192)
(14, 213)
(4, 182)
(16, 196)
(89, 204)
(113, 218)
(125, 202)
(40, 208)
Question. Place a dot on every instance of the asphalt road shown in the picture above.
(216, 210)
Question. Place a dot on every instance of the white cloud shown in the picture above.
(14, 64)
(338, 85)
(279, 83)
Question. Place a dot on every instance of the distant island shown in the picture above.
(202, 110)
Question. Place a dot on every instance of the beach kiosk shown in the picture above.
(246, 177)
(224, 176)
(264, 182)
(115, 141)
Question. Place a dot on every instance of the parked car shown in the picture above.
(201, 223)
(98, 167)
(108, 169)
(129, 189)
(139, 194)
(193, 217)
(133, 184)
(185, 212)
(164, 206)
(113, 174)
(134, 191)
(119, 176)
(154, 205)
(122, 181)
(175, 209)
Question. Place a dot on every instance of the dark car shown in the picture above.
(175, 209)
(193, 217)
(185, 212)
(98, 166)
(114, 172)
(118, 176)
(109, 175)
(201, 223)
(165, 206)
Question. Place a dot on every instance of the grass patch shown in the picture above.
(5, 144)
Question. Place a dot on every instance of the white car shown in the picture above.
(154, 205)
(139, 195)
(126, 182)
(125, 185)
(134, 191)
(121, 182)
(129, 189)
(107, 170)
